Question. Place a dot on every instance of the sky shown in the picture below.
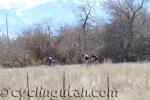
(24, 13)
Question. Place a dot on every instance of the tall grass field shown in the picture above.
(108, 81)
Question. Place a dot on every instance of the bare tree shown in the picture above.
(85, 13)
(125, 24)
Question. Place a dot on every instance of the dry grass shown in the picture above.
(131, 80)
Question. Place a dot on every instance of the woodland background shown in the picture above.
(125, 37)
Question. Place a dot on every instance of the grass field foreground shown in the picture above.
(131, 80)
